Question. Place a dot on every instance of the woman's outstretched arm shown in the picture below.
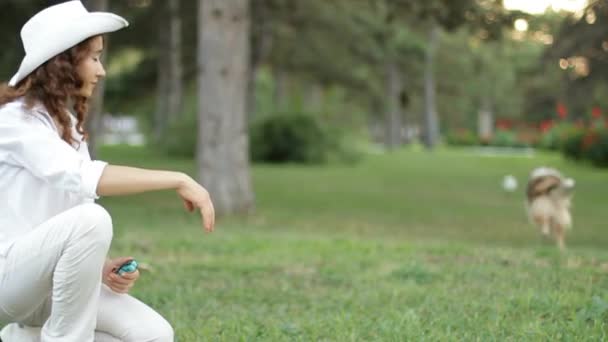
(124, 180)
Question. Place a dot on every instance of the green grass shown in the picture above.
(403, 246)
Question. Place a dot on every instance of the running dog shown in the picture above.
(549, 195)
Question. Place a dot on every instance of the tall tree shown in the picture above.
(169, 102)
(374, 35)
(223, 60)
(581, 49)
(431, 119)
(175, 60)
(386, 41)
(161, 112)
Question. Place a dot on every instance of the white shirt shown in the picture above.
(40, 174)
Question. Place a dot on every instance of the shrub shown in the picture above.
(571, 142)
(504, 138)
(290, 138)
(279, 138)
(595, 146)
(554, 137)
(462, 137)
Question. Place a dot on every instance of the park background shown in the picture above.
(355, 150)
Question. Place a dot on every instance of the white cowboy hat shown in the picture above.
(58, 28)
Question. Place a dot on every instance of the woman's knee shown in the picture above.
(157, 330)
(95, 222)
(163, 331)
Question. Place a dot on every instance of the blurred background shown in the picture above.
(362, 156)
(386, 73)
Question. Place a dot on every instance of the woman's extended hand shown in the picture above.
(124, 180)
(195, 196)
(118, 283)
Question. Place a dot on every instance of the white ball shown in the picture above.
(509, 183)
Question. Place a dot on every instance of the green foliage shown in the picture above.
(283, 138)
(595, 146)
(554, 137)
(133, 82)
(549, 141)
(505, 138)
(502, 138)
(572, 143)
(578, 142)
(13, 14)
(475, 71)
(181, 138)
(581, 37)
(462, 137)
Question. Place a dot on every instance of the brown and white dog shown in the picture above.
(549, 195)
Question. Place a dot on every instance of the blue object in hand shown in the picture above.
(128, 267)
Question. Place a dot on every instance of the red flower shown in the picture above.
(596, 112)
(589, 140)
(503, 124)
(546, 125)
(561, 109)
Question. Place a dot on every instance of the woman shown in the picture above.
(56, 282)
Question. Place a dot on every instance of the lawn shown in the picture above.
(401, 246)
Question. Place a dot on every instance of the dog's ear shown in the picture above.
(541, 186)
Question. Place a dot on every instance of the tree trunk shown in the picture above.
(485, 124)
(169, 86)
(162, 81)
(175, 91)
(376, 121)
(394, 88)
(223, 67)
(95, 121)
(431, 120)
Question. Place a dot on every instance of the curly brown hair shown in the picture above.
(54, 84)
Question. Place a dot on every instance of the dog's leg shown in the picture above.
(544, 224)
(559, 232)
(545, 228)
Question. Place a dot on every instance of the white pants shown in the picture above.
(51, 279)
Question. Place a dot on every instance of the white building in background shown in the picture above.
(121, 129)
